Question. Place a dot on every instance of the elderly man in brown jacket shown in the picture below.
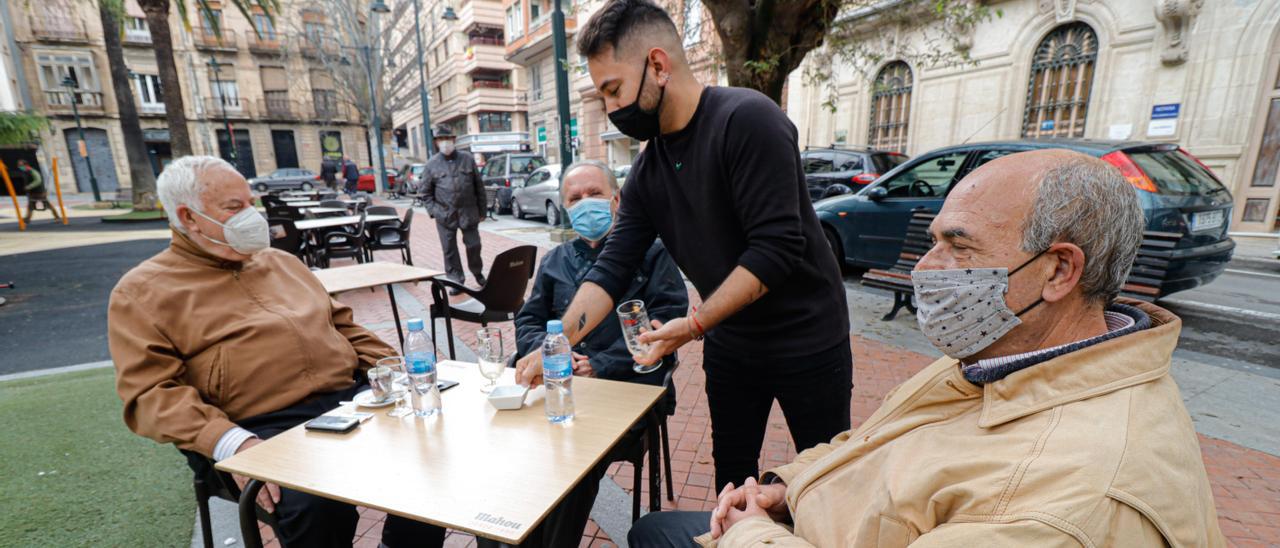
(1052, 421)
(219, 341)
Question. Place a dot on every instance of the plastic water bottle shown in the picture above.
(557, 374)
(420, 361)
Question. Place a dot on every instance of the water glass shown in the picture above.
(492, 354)
(399, 386)
(380, 382)
(635, 320)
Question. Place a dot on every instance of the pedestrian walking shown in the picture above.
(37, 194)
(352, 175)
(328, 173)
(721, 183)
(453, 193)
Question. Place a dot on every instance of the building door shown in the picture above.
(244, 152)
(286, 150)
(99, 149)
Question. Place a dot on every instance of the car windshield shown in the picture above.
(1176, 174)
(526, 164)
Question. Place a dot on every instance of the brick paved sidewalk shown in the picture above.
(1246, 483)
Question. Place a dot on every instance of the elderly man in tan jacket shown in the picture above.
(219, 342)
(1052, 421)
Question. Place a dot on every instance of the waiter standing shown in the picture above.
(454, 196)
(720, 182)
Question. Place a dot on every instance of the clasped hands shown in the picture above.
(750, 500)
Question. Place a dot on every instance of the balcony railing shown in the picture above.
(486, 41)
(276, 105)
(221, 40)
(268, 43)
(314, 49)
(235, 107)
(58, 28)
(489, 84)
(137, 37)
(60, 101)
(326, 106)
(151, 109)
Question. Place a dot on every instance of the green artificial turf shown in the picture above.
(72, 474)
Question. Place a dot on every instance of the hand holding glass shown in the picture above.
(492, 355)
(635, 320)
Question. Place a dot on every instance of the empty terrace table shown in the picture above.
(331, 222)
(492, 473)
(362, 276)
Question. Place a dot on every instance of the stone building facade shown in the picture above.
(1201, 74)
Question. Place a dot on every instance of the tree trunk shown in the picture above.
(763, 41)
(162, 40)
(142, 180)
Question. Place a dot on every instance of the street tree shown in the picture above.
(141, 179)
(763, 41)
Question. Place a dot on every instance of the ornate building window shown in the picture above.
(1061, 77)
(890, 108)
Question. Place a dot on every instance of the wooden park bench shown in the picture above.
(1144, 281)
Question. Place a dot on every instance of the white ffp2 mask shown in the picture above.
(246, 232)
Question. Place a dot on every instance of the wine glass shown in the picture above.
(492, 354)
(635, 320)
(399, 387)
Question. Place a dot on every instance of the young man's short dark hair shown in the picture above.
(620, 20)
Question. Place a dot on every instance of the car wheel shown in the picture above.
(260, 187)
(519, 211)
(837, 248)
(306, 186)
(553, 214)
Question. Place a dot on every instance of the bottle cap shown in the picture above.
(555, 327)
(415, 324)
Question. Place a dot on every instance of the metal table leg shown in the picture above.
(249, 514)
(395, 314)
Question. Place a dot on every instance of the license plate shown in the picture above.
(1206, 220)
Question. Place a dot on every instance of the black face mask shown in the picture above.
(635, 122)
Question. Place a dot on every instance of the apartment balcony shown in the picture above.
(473, 15)
(276, 105)
(151, 109)
(538, 41)
(319, 49)
(505, 141)
(234, 108)
(489, 96)
(223, 40)
(327, 108)
(58, 28)
(60, 102)
(268, 43)
(485, 57)
(140, 38)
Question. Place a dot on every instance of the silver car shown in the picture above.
(539, 194)
(289, 178)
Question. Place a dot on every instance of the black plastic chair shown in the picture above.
(342, 243)
(499, 299)
(334, 203)
(269, 201)
(655, 439)
(285, 236)
(393, 235)
(328, 195)
(209, 482)
(284, 212)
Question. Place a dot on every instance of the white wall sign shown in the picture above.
(1162, 128)
(1119, 131)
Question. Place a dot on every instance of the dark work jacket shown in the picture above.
(328, 170)
(453, 190)
(656, 282)
(350, 172)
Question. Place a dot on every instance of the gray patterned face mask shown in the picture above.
(963, 311)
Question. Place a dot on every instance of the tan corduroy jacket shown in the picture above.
(199, 342)
(1092, 448)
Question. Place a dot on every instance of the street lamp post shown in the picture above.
(562, 95)
(222, 101)
(70, 84)
(378, 7)
(448, 15)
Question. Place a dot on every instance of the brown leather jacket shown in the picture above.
(199, 342)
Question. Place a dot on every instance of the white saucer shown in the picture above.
(365, 399)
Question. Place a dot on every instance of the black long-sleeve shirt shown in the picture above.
(728, 191)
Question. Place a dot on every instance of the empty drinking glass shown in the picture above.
(635, 320)
(399, 386)
(380, 379)
(492, 354)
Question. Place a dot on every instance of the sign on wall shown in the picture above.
(1164, 120)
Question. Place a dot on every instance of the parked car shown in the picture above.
(503, 172)
(539, 194)
(289, 178)
(411, 175)
(366, 181)
(621, 173)
(834, 171)
(1178, 194)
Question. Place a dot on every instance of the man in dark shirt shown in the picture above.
(720, 182)
(453, 193)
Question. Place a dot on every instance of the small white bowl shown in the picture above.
(507, 397)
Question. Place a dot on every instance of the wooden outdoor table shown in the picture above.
(492, 473)
(362, 276)
(330, 222)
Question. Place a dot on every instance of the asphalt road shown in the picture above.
(1236, 317)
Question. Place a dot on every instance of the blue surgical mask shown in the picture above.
(592, 218)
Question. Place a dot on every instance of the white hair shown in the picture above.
(1085, 201)
(181, 183)
(609, 178)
